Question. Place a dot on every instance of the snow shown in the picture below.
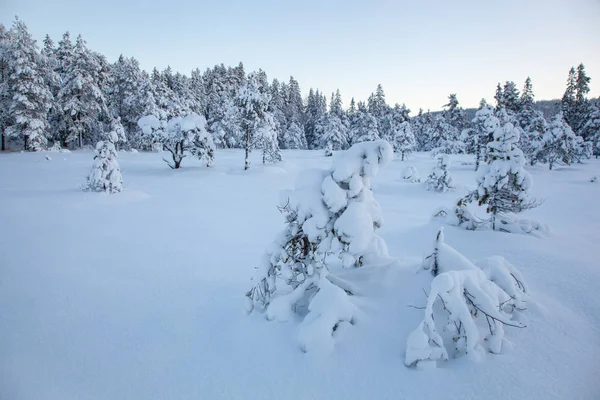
(130, 297)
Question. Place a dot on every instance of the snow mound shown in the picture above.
(411, 174)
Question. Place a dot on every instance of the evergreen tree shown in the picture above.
(503, 183)
(527, 112)
(293, 137)
(5, 99)
(559, 144)
(124, 94)
(256, 122)
(568, 99)
(510, 98)
(335, 134)
(591, 129)
(439, 179)
(403, 140)
(444, 137)
(81, 99)
(27, 89)
(363, 126)
(105, 175)
(454, 114)
(484, 124)
(532, 141)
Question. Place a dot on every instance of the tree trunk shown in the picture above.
(3, 141)
(80, 140)
(247, 156)
(25, 142)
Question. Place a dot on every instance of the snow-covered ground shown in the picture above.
(140, 295)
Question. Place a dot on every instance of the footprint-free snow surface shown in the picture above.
(140, 294)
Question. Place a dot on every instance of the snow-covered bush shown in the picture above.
(178, 135)
(105, 175)
(468, 306)
(411, 174)
(439, 179)
(331, 221)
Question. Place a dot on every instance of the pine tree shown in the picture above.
(293, 137)
(559, 143)
(484, 124)
(591, 129)
(439, 179)
(105, 175)
(124, 94)
(454, 114)
(445, 137)
(335, 134)
(5, 99)
(252, 102)
(363, 126)
(582, 106)
(27, 89)
(403, 140)
(81, 98)
(532, 142)
(503, 183)
(568, 99)
(510, 98)
(527, 112)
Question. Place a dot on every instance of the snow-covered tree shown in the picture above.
(81, 98)
(484, 124)
(331, 218)
(293, 137)
(363, 126)
(503, 183)
(403, 139)
(256, 122)
(335, 135)
(5, 99)
(178, 136)
(559, 144)
(30, 98)
(591, 129)
(533, 139)
(468, 306)
(105, 175)
(439, 179)
(445, 138)
(454, 114)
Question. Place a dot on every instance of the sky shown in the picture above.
(420, 51)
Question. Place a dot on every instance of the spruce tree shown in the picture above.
(105, 175)
(30, 97)
(5, 99)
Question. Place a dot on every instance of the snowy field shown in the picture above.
(140, 295)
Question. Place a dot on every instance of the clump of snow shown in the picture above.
(48, 158)
(411, 174)
(476, 301)
(329, 214)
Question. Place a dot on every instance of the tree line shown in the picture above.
(66, 95)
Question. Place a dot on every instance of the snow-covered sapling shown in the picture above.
(476, 301)
(105, 175)
(411, 174)
(503, 183)
(439, 179)
(331, 219)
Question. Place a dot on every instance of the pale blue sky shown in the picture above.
(420, 51)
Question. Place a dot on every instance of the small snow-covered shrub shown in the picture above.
(411, 174)
(105, 175)
(468, 306)
(331, 219)
(439, 179)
